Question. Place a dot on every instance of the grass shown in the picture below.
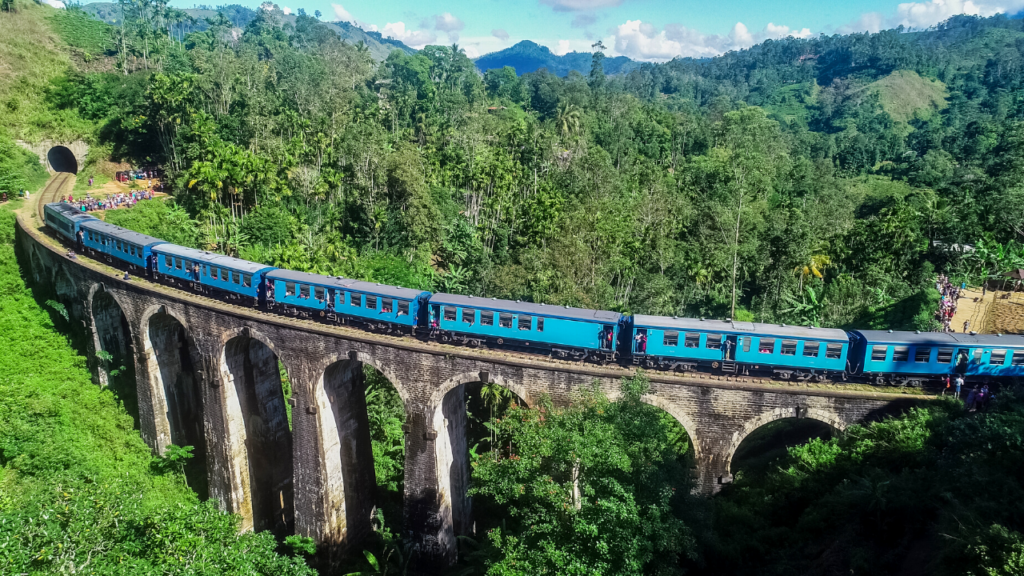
(904, 94)
(78, 30)
(79, 489)
(32, 54)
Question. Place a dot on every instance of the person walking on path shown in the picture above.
(967, 324)
(959, 384)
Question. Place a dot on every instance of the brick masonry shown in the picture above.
(327, 492)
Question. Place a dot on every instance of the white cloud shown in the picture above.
(55, 3)
(562, 48)
(448, 23)
(574, 5)
(286, 10)
(414, 38)
(341, 14)
(500, 34)
(643, 41)
(929, 13)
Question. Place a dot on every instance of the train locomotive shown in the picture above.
(654, 342)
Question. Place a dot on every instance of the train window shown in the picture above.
(468, 315)
(788, 348)
(672, 338)
(525, 322)
(371, 302)
(878, 353)
(236, 278)
(746, 343)
(977, 355)
(357, 300)
(922, 354)
(997, 357)
(224, 275)
(403, 308)
(540, 324)
(177, 263)
(834, 351)
(900, 354)
(289, 288)
(303, 290)
(387, 305)
(766, 346)
(449, 313)
(1018, 358)
(167, 261)
(692, 340)
(246, 280)
(811, 348)
(486, 318)
(945, 356)
(505, 320)
(714, 341)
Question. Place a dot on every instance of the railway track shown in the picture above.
(51, 192)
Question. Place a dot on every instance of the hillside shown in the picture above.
(904, 94)
(240, 16)
(527, 56)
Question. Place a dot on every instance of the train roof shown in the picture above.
(120, 233)
(343, 283)
(211, 258)
(941, 338)
(697, 325)
(69, 211)
(603, 316)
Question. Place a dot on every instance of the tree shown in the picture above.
(589, 488)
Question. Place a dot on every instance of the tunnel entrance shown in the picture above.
(62, 159)
(172, 371)
(256, 396)
(114, 351)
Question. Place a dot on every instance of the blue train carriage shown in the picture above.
(210, 273)
(564, 332)
(65, 220)
(133, 250)
(786, 351)
(378, 306)
(911, 358)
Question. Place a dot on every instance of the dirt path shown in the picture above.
(997, 312)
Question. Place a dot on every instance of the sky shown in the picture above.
(647, 30)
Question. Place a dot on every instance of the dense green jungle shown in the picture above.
(822, 181)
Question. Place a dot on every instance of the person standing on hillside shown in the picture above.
(959, 384)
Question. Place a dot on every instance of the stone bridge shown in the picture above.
(207, 375)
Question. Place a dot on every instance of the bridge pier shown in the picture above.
(324, 460)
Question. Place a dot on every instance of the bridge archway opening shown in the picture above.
(768, 445)
(363, 441)
(115, 353)
(172, 377)
(62, 159)
(460, 421)
(260, 437)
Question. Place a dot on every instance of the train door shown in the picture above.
(640, 341)
(435, 317)
(608, 337)
(729, 347)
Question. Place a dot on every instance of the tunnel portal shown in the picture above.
(62, 159)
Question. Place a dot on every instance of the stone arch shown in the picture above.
(470, 377)
(384, 369)
(681, 417)
(825, 416)
(62, 159)
(347, 463)
(39, 271)
(113, 342)
(170, 356)
(259, 438)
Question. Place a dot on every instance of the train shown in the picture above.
(801, 353)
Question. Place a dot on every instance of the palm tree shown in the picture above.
(493, 395)
(813, 267)
(569, 119)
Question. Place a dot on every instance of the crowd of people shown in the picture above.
(120, 200)
(947, 304)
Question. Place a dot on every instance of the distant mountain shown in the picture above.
(529, 56)
(240, 16)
